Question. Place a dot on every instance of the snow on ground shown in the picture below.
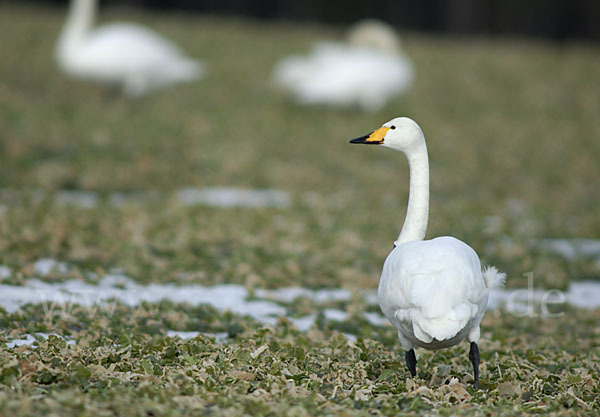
(304, 323)
(233, 197)
(581, 294)
(375, 319)
(46, 266)
(289, 294)
(28, 340)
(225, 197)
(83, 199)
(262, 305)
(219, 337)
(5, 272)
(570, 249)
(63, 295)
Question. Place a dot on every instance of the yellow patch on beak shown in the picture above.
(378, 135)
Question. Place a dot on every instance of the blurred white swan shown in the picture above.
(124, 54)
(433, 291)
(366, 71)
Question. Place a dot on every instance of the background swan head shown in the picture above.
(401, 134)
(374, 34)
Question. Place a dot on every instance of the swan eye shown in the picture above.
(392, 127)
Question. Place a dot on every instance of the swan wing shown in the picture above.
(435, 288)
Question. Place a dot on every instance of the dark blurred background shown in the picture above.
(556, 20)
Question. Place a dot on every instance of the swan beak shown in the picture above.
(373, 138)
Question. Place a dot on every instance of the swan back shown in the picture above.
(433, 290)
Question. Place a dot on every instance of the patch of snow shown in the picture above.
(120, 199)
(233, 197)
(82, 199)
(584, 294)
(514, 298)
(304, 323)
(335, 314)
(116, 280)
(351, 337)
(210, 196)
(64, 295)
(289, 294)
(285, 295)
(264, 306)
(371, 298)
(5, 272)
(376, 319)
(581, 294)
(219, 337)
(46, 266)
(30, 339)
(570, 248)
(182, 335)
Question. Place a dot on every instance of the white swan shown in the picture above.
(433, 291)
(367, 71)
(123, 54)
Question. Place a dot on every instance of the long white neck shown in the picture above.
(79, 22)
(417, 213)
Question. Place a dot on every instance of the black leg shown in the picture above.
(474, 356)
(411, 361)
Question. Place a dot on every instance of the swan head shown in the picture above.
(374, 34)
(401, 134)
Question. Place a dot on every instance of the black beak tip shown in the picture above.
(362, 139)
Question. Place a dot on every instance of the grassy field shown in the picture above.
(513, 136)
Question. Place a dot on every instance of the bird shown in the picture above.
(366, 71)
(127, 55)
(434, 292)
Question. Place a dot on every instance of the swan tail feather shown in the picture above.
(493, 278)
(187, 70)
(443, 327)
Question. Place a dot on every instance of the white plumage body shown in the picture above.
(125, 54)
(434, 292)
(366, 71)
(343, 75)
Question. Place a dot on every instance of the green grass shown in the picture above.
(512, 130)
(123, 364)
